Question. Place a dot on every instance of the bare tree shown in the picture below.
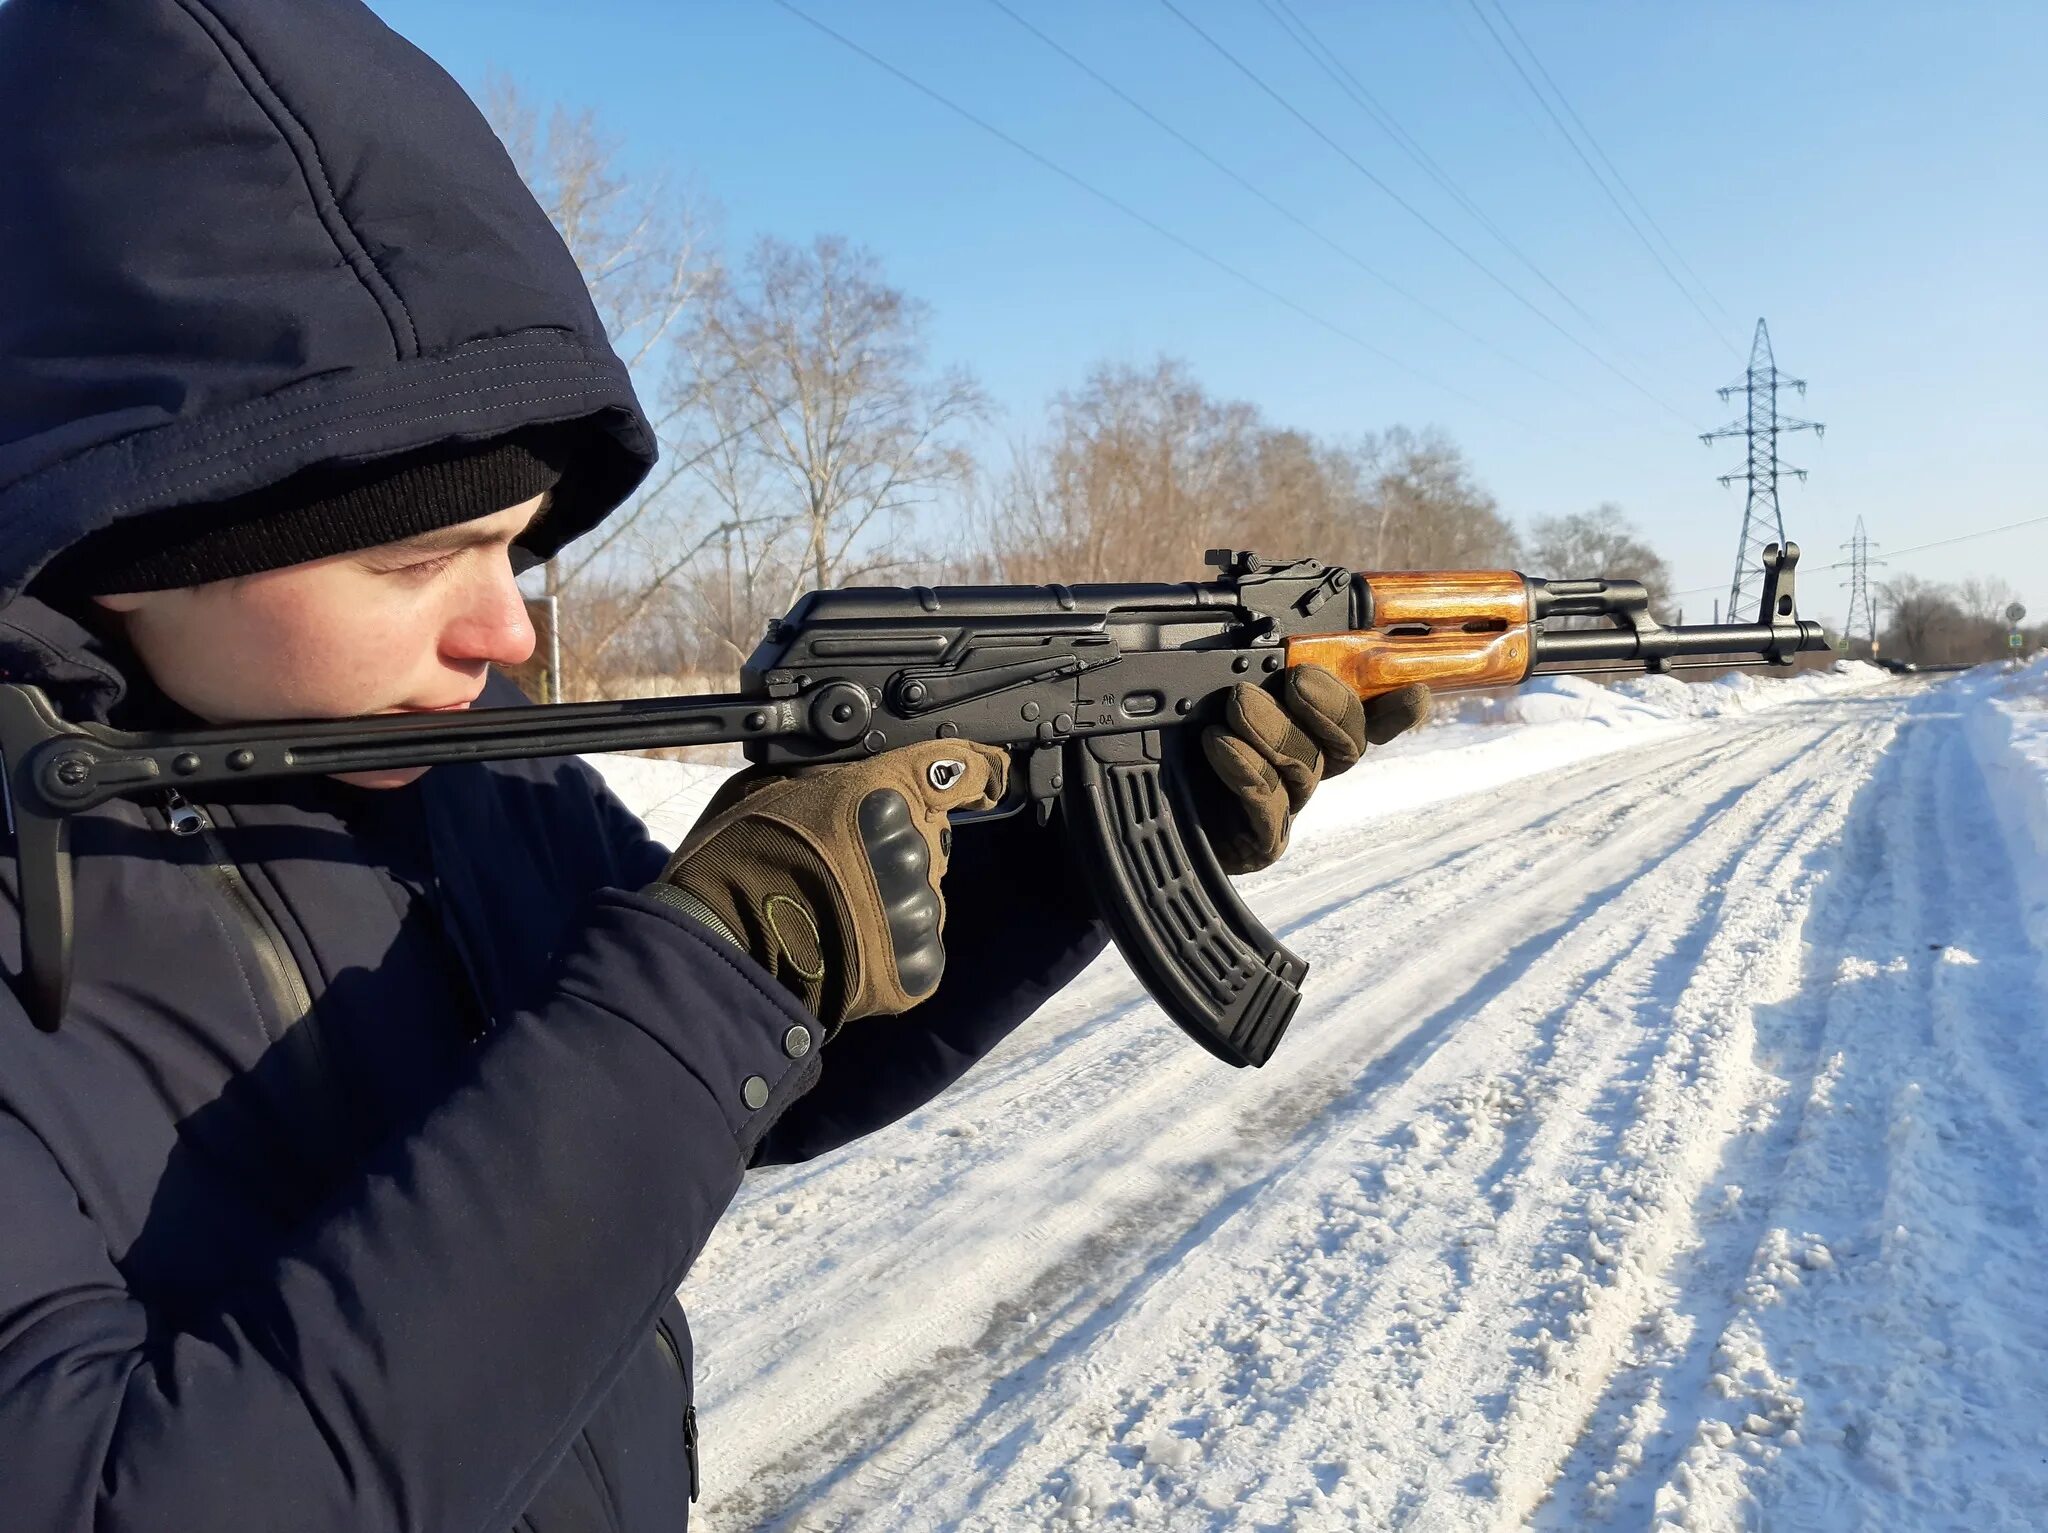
(648, 266)
(1424, 510)
(1920, 613)
(1984, 598)
(1932, 624)
(1600, 542)
(638, 245)
(1143, 469)
(798, 422)
(1307, 498)
(820, 426)
(1140, 471)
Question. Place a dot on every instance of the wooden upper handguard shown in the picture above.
(1452, 630)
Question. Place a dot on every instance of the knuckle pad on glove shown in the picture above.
(900, 859)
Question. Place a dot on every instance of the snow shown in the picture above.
(667, 795)
(1649, 699)
(2007, 717)
(1564, 722)
(1662, 1143)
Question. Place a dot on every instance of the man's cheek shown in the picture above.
(341, 669)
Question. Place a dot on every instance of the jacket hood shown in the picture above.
(242, 237)
(86, 674)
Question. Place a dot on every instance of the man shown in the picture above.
(388, 1112)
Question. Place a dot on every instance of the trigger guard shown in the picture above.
(1015, 800)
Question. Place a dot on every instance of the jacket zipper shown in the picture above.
(675, 1355)
(281, 972)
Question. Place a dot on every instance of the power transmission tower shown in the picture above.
(1862, 602)
(1763, 523)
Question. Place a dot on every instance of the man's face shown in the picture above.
(404, 627)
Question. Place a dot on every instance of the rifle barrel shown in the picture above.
(1585, 644)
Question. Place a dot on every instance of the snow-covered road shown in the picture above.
(1661, 1138)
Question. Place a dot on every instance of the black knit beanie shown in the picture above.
(325, 510)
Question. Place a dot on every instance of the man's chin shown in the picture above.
(399, 777)
(390, 777)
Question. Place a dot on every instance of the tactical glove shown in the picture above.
(1269, 754)
(829, 875)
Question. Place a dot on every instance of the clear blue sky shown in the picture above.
(1871, 178)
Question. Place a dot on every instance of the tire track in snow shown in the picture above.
(1093, 1280)
(1701, 1094)
(1652, 1403)
(1046, 1180)
(1083, 1054)
(1865, 1347)
(1421, 1325)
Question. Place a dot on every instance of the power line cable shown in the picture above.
(1133, 214)
(1565, 101)
(1412, 211)
(1961, 537)
(1598, 180)
(1278, 207)
(1506, 93)
(1304, 37)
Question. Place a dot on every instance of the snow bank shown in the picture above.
(1555, 723)
(1644, 699)
(2006, 715)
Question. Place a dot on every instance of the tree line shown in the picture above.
(1964, 623)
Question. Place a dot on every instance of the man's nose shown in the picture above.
(492, 623)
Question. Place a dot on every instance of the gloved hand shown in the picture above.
(1269, 754)
(829, 875)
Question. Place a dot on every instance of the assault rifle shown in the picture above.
(1094, 690)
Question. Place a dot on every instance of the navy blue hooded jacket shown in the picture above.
(355, 1189)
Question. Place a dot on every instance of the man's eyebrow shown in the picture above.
(442, 539)
(459, 535)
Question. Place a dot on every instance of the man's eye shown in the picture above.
(428, 567)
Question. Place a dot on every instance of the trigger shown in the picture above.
(1043, 779)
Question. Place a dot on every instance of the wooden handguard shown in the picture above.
(1448, 629)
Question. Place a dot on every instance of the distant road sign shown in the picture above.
(2015, 640)
(2015, 612)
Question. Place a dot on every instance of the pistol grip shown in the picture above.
(1206, 959)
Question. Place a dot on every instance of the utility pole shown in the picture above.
(1862, 603)
(1763, 523)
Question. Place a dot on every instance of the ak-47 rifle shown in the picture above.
(1092, 688)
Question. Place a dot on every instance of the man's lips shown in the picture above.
(432, 708)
